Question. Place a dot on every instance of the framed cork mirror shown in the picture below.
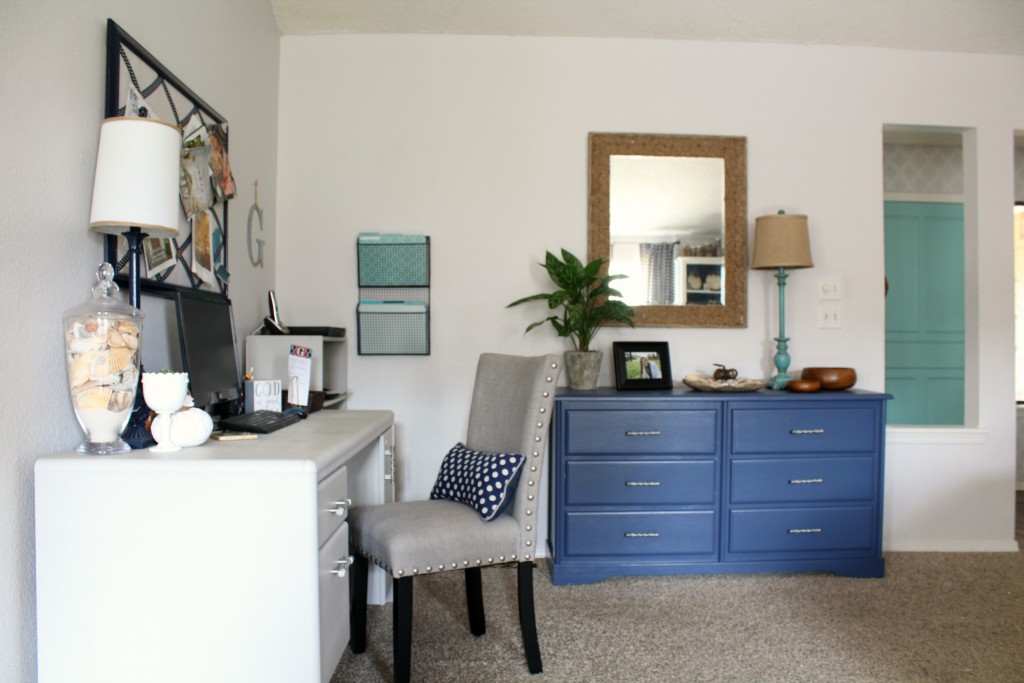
(670, 212)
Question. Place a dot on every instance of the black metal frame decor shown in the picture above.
(626, 352)
(129, 65)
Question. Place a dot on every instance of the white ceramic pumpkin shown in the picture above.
(191, 427)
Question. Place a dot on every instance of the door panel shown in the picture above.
(924, 312)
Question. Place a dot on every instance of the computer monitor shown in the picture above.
(206, 328)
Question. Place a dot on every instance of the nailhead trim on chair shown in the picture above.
(539, 439)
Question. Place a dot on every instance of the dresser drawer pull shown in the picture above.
(389, 464)
(804, 531)
(341, 507)
(807, 481)
(655, 433)
(341, 571)
(643, 483)
(800, 432)
(642, 534)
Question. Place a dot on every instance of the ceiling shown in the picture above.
(982, 26)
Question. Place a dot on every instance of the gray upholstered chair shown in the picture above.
(510, 412)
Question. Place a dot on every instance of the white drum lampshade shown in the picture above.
(136, 183)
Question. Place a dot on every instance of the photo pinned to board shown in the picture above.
(159, 254)
(202, 247)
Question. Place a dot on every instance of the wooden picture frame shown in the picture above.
(642, 365)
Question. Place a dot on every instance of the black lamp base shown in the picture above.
(136, 434)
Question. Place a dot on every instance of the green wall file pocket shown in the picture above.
(389, 260)
(393, 315)
(394, 328)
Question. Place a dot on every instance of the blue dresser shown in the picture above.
(684, 482)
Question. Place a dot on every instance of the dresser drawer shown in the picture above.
(332, 569)
(332, 504)
(801, 480)
(641, 431)
(804, 430)
(638, 534)
(690, 482)
(786, 531)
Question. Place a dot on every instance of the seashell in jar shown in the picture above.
(128, 328)
(107, 364)
(96, 398)
(114, 340)
(87, 344)
(127, 380)
(120, 359)
(121, 400)
(79, 369)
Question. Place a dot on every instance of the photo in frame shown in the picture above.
(642, 365)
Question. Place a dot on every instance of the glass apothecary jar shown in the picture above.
(102, 338)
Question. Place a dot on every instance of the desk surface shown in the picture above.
(325, 439)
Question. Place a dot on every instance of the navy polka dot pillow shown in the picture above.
(484, 481)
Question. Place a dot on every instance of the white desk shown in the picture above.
(213, 564)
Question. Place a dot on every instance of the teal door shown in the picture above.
(924, 313)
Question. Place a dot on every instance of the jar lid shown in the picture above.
(105, 300)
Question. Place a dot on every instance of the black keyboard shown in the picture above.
(260, 421)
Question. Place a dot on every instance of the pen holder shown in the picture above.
(316, 400)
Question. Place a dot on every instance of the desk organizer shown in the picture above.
(393, 315)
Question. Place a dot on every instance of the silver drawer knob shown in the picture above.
(341, 507)
(341, 570)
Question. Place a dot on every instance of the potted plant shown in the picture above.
(583, 295)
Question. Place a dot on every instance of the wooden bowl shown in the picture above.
(831, 378)
(803, 385)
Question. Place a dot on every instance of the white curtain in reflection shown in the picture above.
(659, 271)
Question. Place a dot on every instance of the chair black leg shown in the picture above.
(359, 574)
(475, 601)
(527, 618)
(402, 629)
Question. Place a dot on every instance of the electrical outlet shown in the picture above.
(830, 314)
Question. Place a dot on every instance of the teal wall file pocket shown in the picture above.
(389, 260)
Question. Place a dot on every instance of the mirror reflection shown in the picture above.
(666, 228)
(670, 213)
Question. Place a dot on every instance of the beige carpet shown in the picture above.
(935, 617)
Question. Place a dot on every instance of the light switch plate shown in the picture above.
(830, 288)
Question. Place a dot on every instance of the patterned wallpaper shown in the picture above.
(934, 169)
(923, 169)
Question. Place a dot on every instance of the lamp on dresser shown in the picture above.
(781, 242)
(135, 194)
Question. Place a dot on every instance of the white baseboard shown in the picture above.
(964, 546)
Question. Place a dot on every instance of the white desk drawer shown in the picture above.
(332, 504)
(333, 564)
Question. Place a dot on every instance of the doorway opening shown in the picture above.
(924, 269)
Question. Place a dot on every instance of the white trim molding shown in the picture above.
(935, 435)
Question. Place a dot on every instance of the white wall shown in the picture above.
(53, 56)
(481, 143)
